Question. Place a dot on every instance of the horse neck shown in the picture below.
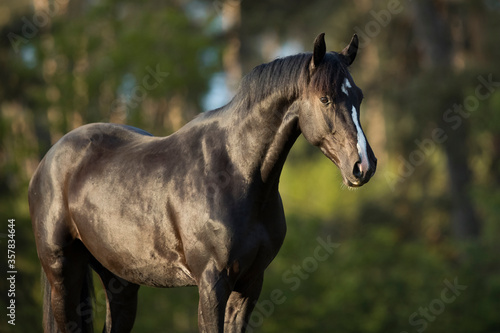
(261, 122)
(262, 135)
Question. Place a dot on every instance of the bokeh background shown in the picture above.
(417, 249)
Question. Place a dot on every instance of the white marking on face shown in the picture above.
(363, 155)
(346, 85)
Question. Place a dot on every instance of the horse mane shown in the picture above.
(285, 76)
(288, 77)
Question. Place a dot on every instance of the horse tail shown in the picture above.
(87, 298)
(49, 325)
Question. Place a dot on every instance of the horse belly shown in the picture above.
(142, 248)
(138, 259)
(157, 274)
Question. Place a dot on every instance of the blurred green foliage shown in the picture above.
(397, 246)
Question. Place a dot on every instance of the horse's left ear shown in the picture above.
(319, 50)
(350, 51)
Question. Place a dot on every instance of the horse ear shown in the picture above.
(350, 51)
(319, 50)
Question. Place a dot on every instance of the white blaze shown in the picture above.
(346, 85)
(363, 155)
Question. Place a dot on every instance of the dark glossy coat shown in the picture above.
(199, 207)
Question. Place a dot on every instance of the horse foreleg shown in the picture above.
(214, 289)
(241, 304)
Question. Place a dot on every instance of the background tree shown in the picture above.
(427, 220)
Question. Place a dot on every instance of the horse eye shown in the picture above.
(325, 100)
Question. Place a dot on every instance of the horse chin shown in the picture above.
(353, 184)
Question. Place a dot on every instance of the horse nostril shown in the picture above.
(357, 171)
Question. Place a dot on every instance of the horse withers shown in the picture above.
(197, 208)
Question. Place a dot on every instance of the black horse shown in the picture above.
(199, 207)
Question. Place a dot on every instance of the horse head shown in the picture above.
(329, 116)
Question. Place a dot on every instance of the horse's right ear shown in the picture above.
(319, 50)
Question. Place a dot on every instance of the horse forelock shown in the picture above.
(329, 75)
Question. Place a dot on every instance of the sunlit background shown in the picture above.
(415, 250)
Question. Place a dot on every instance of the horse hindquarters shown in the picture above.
(64, 259)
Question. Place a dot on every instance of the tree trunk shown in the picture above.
(433, 32)
(231, 16)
